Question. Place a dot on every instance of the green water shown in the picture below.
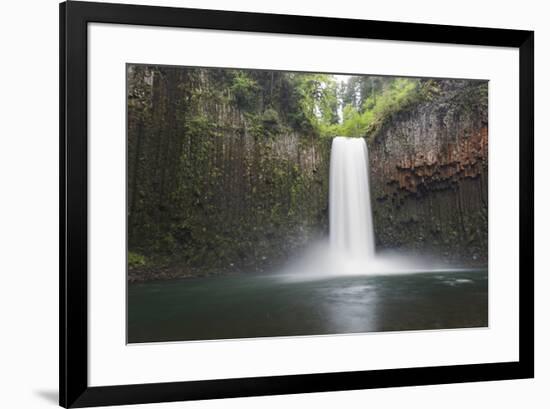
(245, 306)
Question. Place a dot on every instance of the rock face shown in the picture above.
(214, 186)
(428, 170)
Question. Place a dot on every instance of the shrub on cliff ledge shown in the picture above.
(244, 89)
(397, 95)
(136, 260)
(271, 121)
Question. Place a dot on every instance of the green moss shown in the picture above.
(136, 260)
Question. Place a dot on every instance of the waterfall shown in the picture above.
(351, 238)
(351, 229)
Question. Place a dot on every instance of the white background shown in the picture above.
(28, 216)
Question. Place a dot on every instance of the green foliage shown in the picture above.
(365, 102)
(244, 89)
(318, 99)
(473, 97)
(396, 95)
(271, 121)
(198, 125)
(136, 260)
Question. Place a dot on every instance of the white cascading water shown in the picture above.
(351, 229)
(351, 235)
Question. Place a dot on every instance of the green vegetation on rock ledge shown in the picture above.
(372, 101)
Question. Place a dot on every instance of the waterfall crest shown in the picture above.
(351, 228)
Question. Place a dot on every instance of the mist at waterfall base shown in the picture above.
(350, 248)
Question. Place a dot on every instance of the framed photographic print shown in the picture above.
(256, 204)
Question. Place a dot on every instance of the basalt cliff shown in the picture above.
(429, 175)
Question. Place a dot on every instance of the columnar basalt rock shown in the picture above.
(214, 186)
(428, 169)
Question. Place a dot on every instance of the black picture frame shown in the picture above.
(73, 348)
